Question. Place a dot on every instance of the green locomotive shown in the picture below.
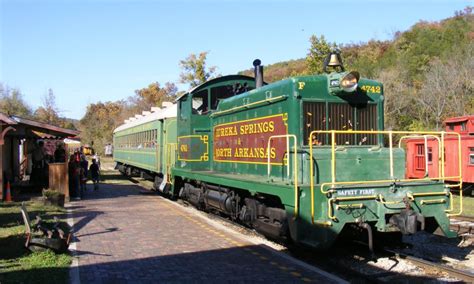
(302, 158)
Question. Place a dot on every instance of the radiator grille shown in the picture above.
(340, 116)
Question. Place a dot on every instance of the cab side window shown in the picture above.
(227, 91)
(200, 103)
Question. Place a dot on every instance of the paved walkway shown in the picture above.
(123, 236)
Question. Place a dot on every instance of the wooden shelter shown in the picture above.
(17, 138)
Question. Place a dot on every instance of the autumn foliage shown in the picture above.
(427, 74)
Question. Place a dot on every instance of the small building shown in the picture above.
(424, 158)
(463, 125)
(18, 137)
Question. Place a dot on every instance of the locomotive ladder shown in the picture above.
(169, 163)
(379, 198)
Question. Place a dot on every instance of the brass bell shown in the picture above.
(334, 60)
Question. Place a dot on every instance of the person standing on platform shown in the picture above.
(39, 165)
(97, 159)
(83, 164)
(74, 172)
(95, 173)
(60, 153)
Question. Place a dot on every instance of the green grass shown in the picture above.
(17, 264)
(468, 205)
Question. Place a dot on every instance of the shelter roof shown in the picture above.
(27, 128)
(5, 119)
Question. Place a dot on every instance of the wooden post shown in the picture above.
(1, 167)
(59, 178)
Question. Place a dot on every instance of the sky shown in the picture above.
(102, 50)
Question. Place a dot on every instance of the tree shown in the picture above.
(48, 113)
(12, 103)
(448, 89)
(365, 57)
(398, 103)
(194, 69)
(280, 70)
(153, 95)
(99, 122)
(318, 51)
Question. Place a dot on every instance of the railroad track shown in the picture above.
(453, 272)
(330, 262)
(463, 225)
(464, 218)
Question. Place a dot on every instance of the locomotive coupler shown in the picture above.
(407, 221)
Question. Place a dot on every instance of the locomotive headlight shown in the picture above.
(345, 81)
(349, 81)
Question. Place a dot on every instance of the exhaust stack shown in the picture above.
(258, 71)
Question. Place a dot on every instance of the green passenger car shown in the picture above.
(146, 144)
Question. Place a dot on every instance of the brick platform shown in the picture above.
(123, 236)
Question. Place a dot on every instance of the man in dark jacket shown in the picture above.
(95, 173)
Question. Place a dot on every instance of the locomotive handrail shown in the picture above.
(246, 106)
(295, 164)
(442, 155)
(432, 201)
(334, 199)
(381, 199)
(451, 202)
(426, 148)
(333, 182)
(169, 146)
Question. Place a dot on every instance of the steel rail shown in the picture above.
(463, 218)
(459, 274)
(460, 225)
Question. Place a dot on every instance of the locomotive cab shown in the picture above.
(194, 110)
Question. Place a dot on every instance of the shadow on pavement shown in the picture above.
(250, 264)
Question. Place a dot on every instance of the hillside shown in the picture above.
(427, 74)
(427, 70)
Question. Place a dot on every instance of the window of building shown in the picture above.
(471, 155)
(430, 155)
(420, 157)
